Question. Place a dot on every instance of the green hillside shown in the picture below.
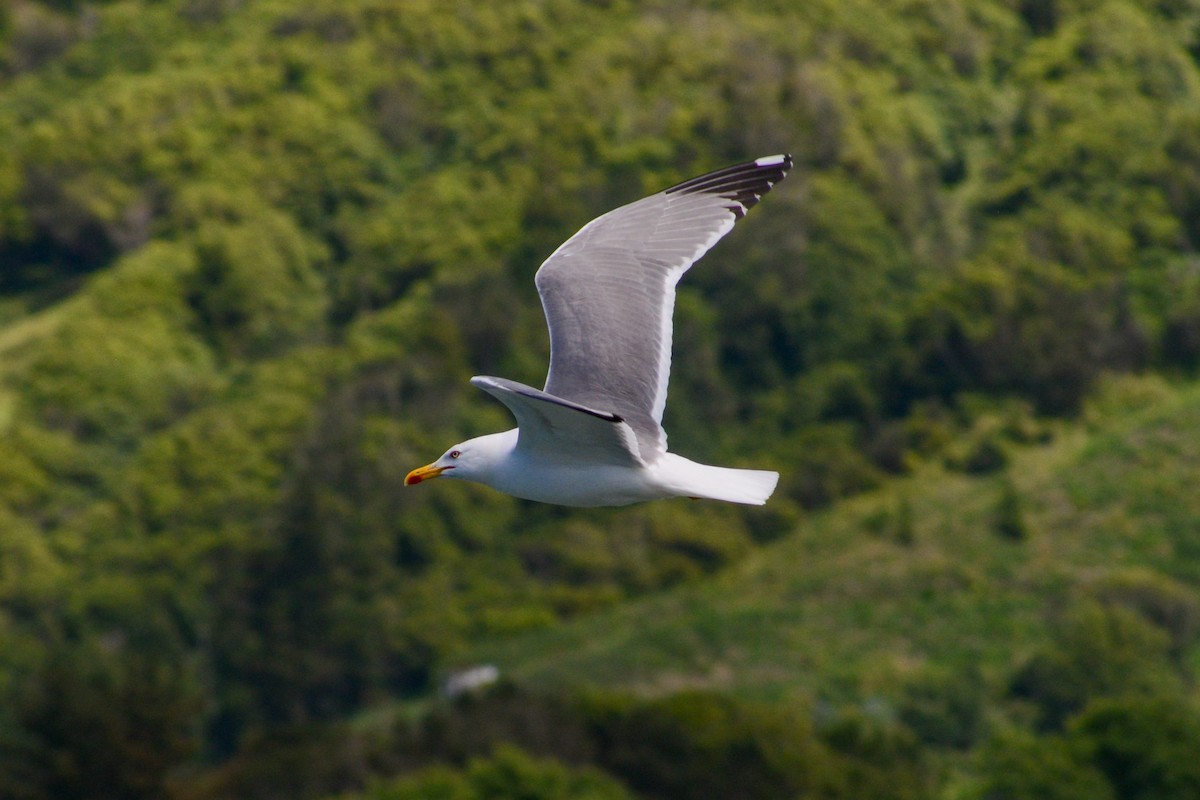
(1030, 632)
(995, 631)
(252, 250)
(928, 575)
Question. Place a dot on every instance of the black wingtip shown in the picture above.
(744, 183)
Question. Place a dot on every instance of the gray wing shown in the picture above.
(609, 292)
(559, 430)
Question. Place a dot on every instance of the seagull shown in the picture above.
(593, 436)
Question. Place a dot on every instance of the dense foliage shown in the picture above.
(250, 251)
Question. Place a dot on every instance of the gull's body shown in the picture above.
(594, 436)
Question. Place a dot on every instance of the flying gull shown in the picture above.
(594, 436)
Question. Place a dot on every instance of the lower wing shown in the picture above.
(556, 429)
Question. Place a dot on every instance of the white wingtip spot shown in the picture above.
(770, 161)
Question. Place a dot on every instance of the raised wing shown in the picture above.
(559, 430)
(609, 292)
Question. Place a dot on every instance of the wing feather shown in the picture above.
(609, 292)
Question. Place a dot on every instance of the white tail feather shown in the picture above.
(687, 478)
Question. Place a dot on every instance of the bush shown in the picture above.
(697, 744)
(509, 774)
(1021, 326)
(1167, 604)
(1097, 651)
(125, 361)
(1145, 746)
(95, 723)
(257, 288)
(1019, 766)
(982, 454)
(874, 755)
(1008, 518)
(36, 35)
(944, 707)
(824, 464)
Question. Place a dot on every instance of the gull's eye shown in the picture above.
(455, 453)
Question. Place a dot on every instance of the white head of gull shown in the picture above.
(593, 436)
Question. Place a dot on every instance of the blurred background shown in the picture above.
(251, 251)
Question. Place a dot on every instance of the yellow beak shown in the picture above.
(425, 473)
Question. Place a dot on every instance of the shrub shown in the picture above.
(1016, 765)
(1008, 518)
(257, 289)
(697, 744)
(825, 464)
(1145, 746)
(36, 35)
(1169, 605)
(944, 707)
(1097, 651)
(508, 774)
(95, 723)
(125, 362)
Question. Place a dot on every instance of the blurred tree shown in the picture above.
(1099, 651)
(126, 361)
(509, 774)
(99, 723)
(1019, 766)
(1145, 746)
(704, 743)
(944, 707)
(257, 288)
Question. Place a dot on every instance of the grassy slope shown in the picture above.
(841, 608)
